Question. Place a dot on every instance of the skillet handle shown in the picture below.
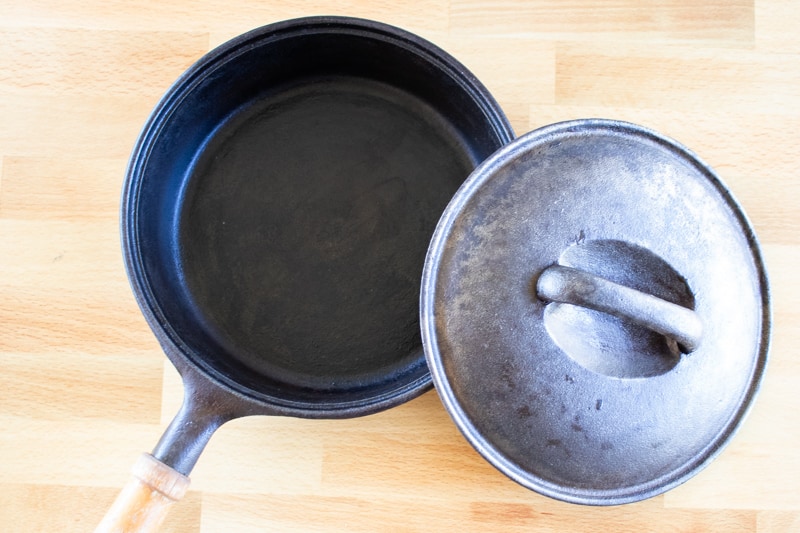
(145, 501)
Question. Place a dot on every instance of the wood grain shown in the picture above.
(144, 503)
(84, 387)
(718, 22)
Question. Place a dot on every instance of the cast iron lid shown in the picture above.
(595, 312)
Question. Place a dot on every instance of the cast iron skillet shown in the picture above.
(275, 218)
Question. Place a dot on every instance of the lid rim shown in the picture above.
(491, 453)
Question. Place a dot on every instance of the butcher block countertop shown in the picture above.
(85, 388)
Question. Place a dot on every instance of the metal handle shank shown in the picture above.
(569, 285)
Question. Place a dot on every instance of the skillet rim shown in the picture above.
(189, 361)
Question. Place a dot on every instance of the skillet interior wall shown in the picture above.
(266, 312)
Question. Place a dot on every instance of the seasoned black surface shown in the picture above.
(304, 226)
(279, 204)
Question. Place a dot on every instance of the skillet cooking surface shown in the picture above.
(304, 225)
(279, 205)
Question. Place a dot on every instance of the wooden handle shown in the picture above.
(146, 499)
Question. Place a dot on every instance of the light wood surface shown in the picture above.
(84, 388)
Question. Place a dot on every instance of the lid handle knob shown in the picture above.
(563, 284)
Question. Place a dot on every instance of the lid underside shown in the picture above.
(577, 403)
